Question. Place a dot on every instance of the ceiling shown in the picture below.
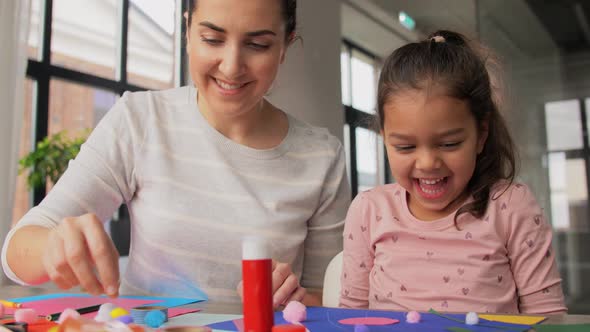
(431, 15)
(567, 22)
(523, 28)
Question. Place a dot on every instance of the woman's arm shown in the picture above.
(358, 258)
(24, 252)
(63, 238)
(324, 232)
(67, 254)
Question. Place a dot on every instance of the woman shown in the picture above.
(199, 168)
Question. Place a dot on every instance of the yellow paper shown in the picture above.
(514, 319)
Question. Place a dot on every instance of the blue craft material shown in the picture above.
(127, 319)
(164, 301)
(326, 320)
(361, 328)
(154, 318)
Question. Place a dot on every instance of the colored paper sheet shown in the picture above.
(320, 319)
(165, 301)
(514, 319)
(55, 305)
(239, 324)
(368, 321)
(43, 325)
(46, 296)
(562, 328)
(173, 312)
(46, 305)
(200, 319)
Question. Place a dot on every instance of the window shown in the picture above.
(568, 162)
(152, 37)
(83, 54)
(366, 162)
(568, 153)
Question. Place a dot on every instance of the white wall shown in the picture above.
(308, 85)
(12, 32)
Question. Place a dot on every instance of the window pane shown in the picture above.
(85, 36)
(363, 82)
(35, 30)
(345, 75)
(569, 192)
(22, 201)
(75, 107)
(564, 126)
(366, 158)
(151, 39)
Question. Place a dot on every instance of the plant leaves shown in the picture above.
(50, 158)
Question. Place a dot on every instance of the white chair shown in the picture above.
(331, 292)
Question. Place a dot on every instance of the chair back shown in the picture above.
(331, 293)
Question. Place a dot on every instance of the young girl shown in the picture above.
(454, 233)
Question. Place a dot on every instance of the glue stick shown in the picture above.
(257, 285)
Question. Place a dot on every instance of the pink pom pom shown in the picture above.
(1, 311)
(413, 317)
(28, 316)
(68, 313)
(295, 312)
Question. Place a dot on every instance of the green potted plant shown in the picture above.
(50, 159)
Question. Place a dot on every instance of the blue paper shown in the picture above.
(320, 319)
(164, 301)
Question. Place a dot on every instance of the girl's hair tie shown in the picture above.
(438, 39)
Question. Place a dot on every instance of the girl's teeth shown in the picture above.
(228, 86)
(426, 185)
(435, 181)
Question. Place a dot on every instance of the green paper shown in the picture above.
(562, 328)
(458, 329)
(506, 328)
(432, 311)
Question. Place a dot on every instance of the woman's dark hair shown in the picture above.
(289, 8)
(448, 59)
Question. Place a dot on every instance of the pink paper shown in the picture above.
(54, 305)
(239, 323)
(57, 305)
(368, 321)
(173, 312)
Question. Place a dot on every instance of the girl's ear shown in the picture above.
(484, 130)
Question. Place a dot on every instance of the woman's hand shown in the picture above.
(78, 250)
(285, 285)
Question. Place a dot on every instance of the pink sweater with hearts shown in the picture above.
(502, 263)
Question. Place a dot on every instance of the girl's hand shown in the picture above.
(285, 285)
(76, 248)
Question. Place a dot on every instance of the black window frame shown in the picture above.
(356, 118)
(42, 71)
